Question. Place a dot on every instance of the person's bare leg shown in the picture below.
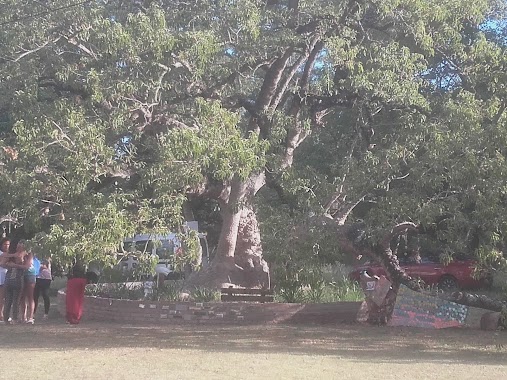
(2, 299)
(21, 303)
(29, 301)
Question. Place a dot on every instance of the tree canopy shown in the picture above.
(115, 115)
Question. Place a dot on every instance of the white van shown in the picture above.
(164, 246)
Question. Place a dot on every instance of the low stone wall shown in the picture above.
(127, 311)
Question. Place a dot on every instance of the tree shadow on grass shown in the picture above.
(353, 342)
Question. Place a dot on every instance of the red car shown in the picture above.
(457, 274)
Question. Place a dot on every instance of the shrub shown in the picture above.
(289, 290)
(318, 284)
(170, 291)
(116, 290)
(344, 290)
(202, 294)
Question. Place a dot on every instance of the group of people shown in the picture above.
(23, 279)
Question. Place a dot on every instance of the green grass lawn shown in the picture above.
(113, 351)
(95, 350)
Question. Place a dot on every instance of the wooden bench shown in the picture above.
(246, 294)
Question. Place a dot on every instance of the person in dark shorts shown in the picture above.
(42, 286)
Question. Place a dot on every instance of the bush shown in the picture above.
(344, 290)
(318, 284)
(170, 291)
(114, 275)
(116, 290)
(289, 290)
(202, 294)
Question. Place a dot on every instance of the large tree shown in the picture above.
(117, 113)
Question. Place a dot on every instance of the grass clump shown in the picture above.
(203, 294)
(318, 285)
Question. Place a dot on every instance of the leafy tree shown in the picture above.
(427, 160)
(117, 113)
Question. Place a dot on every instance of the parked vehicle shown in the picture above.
(163, 246)
(457, 274)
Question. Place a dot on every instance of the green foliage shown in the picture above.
(190, 253)
(203, 294)
(113, 114)
(343, 290)
(116, 290)
(170, 291)
(145, 266)
(315, 288)
(489, 258)
(291, 240)
(316, 283)
(320, 291)
(112, 275)
(290, 290)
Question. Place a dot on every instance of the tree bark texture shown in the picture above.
(253, 270)
(390, 262)
(238, 260)
(477, 300)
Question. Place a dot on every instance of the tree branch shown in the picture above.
(271, 81)
(280, 92)
(72, 40)
(399, 229)
(31, 51)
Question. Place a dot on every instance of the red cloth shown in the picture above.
(74, 299)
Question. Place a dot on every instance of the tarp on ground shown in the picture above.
(422, 310)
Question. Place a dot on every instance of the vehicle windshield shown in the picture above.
(144, 246)
(404, 260)
(166, 250)
(413, 260)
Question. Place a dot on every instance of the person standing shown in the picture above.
(74, 295)
(42, 285)
(16, 266)
(4, 248)
(32, 266)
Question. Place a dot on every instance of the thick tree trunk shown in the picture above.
(222, 270)
(238, 260)
(253, 269)
(390, 262)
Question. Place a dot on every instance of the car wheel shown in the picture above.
(448, 283)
